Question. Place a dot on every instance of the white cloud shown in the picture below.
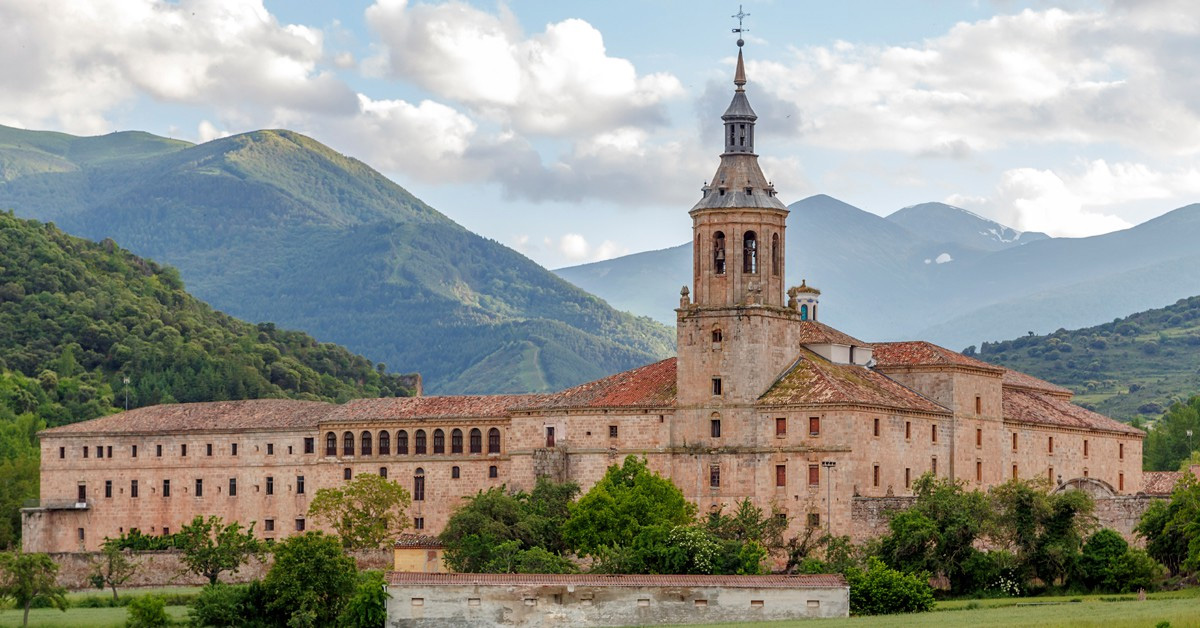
(574, 248)
(943, 258)
(207, 131)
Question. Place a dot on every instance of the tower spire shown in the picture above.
(739, 77)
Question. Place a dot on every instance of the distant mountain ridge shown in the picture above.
(272, 225)
(880, 280)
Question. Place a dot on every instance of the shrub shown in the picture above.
(219, 605)
(148, 611)
(367, 606)
(881, 590)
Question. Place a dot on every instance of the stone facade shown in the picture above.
(764, 402)
(583, 600)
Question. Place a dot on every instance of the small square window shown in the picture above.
(419, 523)
(493, 471)
(310, 445)
(300, 525)
(454, 472)
(268, 525)
(814, 519)
(612, 431)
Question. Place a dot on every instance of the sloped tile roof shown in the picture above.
(650, 386)
(1036, 407)
(805, 581)
(815, 333)
(418, 540)
(1018, 379)
(395, 408)
(815, 380)
(205, 417)
(1160, 482)
(921, 353)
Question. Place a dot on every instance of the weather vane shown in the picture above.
(740, 15)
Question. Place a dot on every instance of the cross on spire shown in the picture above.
(740, 15)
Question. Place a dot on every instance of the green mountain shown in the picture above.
(1135, 366)
(273, 225)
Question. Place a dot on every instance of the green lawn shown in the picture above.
(80, 617)
(1181, 609)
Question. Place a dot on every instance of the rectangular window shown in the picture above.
(1085, 473)
(310, 445)
(270, 485)
(100, 451)
(346, 473)
(268, 525)
(814, 519)
(166, 488)
(1050, 444)
(133, 488)
(612, 431)
(1120, 481)
(233, 487)
(781, 426)
(85, 451)
(158, 451)
(81, 493)
(270, 449)
(383, 472)
(1014, 448)
(134, 452)
(419, 523)
(454, 473)
(79, 531)
(814, 426)
(299, 484)
(716, 386)
(978, 404)
(1015, 476)
(907, 477)
(233, 449)
(208, 449)
(933, 433)
(1121, 451)
(109, 451)
(62, 453)
(183, 449)
(1050, 475)
(875, 475)
(108, 488)
(933, 465)
(978, 471)
(714, 428)
(199, 487)
(978, 437)
(780, 475)
(1085, 448)
(493, 471)
(300, 525)
(907, 430)
(877, 427)
(814, 475)
(714, 476)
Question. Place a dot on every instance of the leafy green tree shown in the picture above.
(367, 512)
(628, 500)
(148, 611)
(1109, 564)
(112, 568)
(1045, 531)
(310, 581)
(1167, 445)
(938, 532)
(29, 578)
(881, 590)
(1172, 529)
(496, 531)
(367, 607)
(210, 547)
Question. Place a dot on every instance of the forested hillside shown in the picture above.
(78, 317)
(1135, 366)
(273, 225)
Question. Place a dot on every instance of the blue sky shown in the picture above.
(576, 131)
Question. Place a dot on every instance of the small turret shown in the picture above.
(804, 299)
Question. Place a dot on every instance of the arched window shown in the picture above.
(330, 444)
(717, 336)
(402, 442)
(419, 442)
(750, 253)
(456, 441)
(365, 448)
(804, 312)
(385, 443)
(493, 441)
(348, 444)
(476, 441)
(775, 261)
(439, 442)
(419, 485)
(719, 253)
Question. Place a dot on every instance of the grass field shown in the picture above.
(1181, 609)
(93, 617)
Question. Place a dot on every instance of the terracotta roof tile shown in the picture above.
(401, 578)
(651, 386)
(1017, 379)
(813, 333)
(921, 353)
(206, 416)
(418, 540)
(1160, 482)
(393, 408)
(1037, 407)
(815, 380)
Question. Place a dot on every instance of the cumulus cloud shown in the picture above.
(575, 248)
(558, 82)
(80, 60)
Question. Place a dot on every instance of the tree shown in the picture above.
(28, 578)
(367, 608)
(627, 501)
(1172, 529)
(881, 590)
(1044, 530)
(1167, 445)
(210, 548)
(310, 581)
(367, 512)
(148, 611)
(112, 568)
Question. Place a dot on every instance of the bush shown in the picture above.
(220, 605)
(881, 590)
(148, 611)
(367, 607)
